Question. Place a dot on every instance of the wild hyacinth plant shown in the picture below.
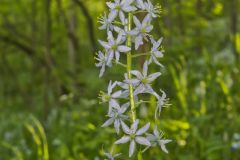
(125, 34)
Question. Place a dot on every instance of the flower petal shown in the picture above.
(155, 131)
(123, 49)
(125, 128)
(124, 107)
(140, 4)
(139, 89)
(108, 155)
(137, 74)
(138, 41)
(117, 94)
(134, 126)
(108, 122)
(110, 37)
(132, 81)
(158, 54)
(123, 140)
(102, 71)
(132, 148)
(163, 144)
(104, 44)
(159, 42)
(146, 20)
(113, 103)
(143, 129)
(151, 137)
(117, 56)
(137, 22)
(156, 62)
(110, 58)
(142, 141)
(127, 2)
(118, 29)
(117, 155)
(133, 32)
(119, 37)
(153, 76)
(129, 8)
(117, 125)
(145, 69)
(110, 87)
(122, 18)
(112, 15)
(125, 94)
(110, 5)
(149, 28)
(148, 89)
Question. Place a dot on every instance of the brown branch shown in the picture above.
(71, 35)
(48, 35)
(198, 30)
(180, 17)
(89, 23)
(25, 48)
(28, 50)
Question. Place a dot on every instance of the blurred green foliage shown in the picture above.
(49, 84)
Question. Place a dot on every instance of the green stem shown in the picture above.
(117, 23)
(140, 102)
(136, 12)
(129, 68)
(145, 149)
(140, 155)
(119, 63)
(140, 54)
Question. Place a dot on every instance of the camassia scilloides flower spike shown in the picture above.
(125, 34)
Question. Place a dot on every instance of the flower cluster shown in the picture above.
(124, 37)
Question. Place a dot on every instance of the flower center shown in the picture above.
(118, 7)
(143, 30)
(114, 47)
(133, 136)
(106, 98)
(116, 115)
(144, 80)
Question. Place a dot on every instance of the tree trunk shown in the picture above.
(199, 44)
(48, 59)
(90, 24)
(168, 21)
(180, 18)
(72, 49)
(70, 25)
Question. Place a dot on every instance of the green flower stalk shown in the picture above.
(122, 33)
(129, 67)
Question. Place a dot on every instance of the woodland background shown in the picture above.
(49, 83)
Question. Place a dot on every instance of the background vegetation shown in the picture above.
(49, 84)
